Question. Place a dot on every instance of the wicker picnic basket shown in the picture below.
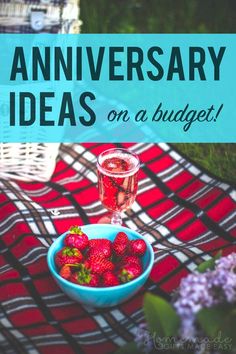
(44, 16)
(28, 161)
(34, 161)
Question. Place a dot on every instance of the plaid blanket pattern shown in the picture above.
(184, 212)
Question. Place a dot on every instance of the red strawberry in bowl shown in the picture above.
(65, 272)
(101, 247)
(99, 251)
(129, 272)
(98, 265)
(137, 247)
(97, 242)
(120, 244)
(84, 277)
(76, 238)
(110, 279)
(131, 260)
(68, 255)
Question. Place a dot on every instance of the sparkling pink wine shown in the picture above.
(118, 180)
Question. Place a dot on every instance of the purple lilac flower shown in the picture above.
(225, 276)
(194, 294)
(202, 290)
(144, 339)
(228, 263)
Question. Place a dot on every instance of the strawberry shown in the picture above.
(100, 246)
(110, 279)
(131, 260)
(129, 272)
(65, 271)
(84, 277)
(100, 251)
(98, 265)
(76, 238)
(68, 255)
(120, 244)
(97, 242)
(137, 247)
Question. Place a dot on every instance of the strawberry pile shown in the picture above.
(99, 262)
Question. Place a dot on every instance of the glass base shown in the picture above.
(116, 219)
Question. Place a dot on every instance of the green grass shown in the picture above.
(219, 159)
(158, 16)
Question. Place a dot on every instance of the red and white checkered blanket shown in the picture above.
(183, 211)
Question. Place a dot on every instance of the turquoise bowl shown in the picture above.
(101, 297)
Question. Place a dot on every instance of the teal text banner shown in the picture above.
(118, 88)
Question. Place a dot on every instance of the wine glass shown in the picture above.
(117, 180)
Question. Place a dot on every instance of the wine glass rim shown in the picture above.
(122, 173)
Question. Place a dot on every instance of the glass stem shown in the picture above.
(116, 219)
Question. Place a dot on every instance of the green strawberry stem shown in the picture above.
(125, 276)
(70, 251)
(73, 265)
(76, 230)
(83, 276)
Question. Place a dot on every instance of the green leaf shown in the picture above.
(130, 348)
(160, 315)
(210, 264)
(219, 322)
